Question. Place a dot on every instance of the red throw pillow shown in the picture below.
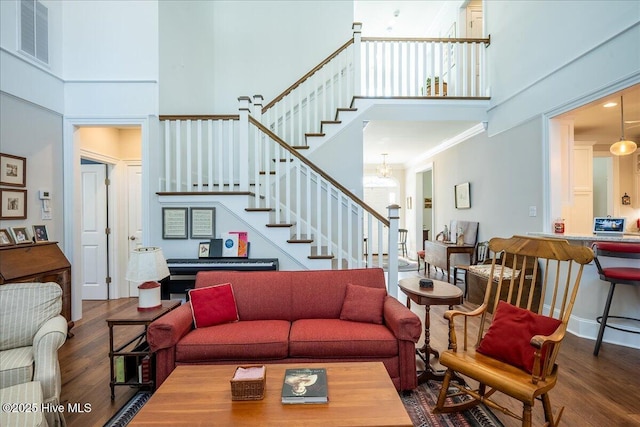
(509, 336)
(363, 304)
(213, 305)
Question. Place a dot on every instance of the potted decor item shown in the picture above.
(436, 91)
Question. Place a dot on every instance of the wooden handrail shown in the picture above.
(306, 76)
(319, 171)
(201, 117)
(486, 41)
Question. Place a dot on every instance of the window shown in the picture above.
(34, 29)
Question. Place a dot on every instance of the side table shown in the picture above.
(442, 293)
(135, 349)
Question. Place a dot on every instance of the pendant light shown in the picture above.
(624, 146)
(384, 170)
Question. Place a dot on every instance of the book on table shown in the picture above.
(305, 385)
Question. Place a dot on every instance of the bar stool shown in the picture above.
(616, 275)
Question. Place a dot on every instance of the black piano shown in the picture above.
(182, 272)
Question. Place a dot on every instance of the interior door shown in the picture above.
(134, 197)
(94, 232)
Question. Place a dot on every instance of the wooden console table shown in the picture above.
(39, 262)
(439, 254)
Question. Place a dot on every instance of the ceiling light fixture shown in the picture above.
(610, 104)
(384, 170)
(624, 146)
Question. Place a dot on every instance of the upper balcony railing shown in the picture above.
(377, 67)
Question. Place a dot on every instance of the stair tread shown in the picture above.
(300, 147)
(300, 241)
(314, 134)
(258, 209)
(280, 225)
(320, 257)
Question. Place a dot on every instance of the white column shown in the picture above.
(392, 274)
(357, 65)
(243, 143)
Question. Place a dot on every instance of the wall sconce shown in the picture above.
(626, 200)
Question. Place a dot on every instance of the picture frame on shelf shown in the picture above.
(13, 170)
(40, 233)
(463, 195)
(203, 250)
(203, 223)
(20, 235)
(175, 223)
(13, 204)
(6, 239)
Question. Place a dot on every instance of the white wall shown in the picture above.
(213, 52)
(543, 56)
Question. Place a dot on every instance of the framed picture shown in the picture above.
(203, 250)
(174, 223)
(463, 196)
(5, 237)
(20, 235)
(40, 233)
(14, 204)
(13, 170)
(203, 223)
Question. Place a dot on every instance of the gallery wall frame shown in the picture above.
(13, 170)
(13, 204)
(463, 195)
(175, 224)
(203, 223)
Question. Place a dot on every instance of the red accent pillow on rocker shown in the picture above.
(509, 336)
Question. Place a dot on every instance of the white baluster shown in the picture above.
(189, 158)
(199, 158)
(178, 155)
(167, 155)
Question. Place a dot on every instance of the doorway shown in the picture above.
(118, 143)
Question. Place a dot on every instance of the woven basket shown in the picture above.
(248, 389)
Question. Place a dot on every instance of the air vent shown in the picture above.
(34, 29)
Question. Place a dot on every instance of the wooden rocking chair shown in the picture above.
(516, 348)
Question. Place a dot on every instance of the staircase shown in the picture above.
(258, 160)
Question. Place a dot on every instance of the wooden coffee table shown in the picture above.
(360, 394)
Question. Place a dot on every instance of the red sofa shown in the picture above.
(290, 317)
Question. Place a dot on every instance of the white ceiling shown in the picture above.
(405, 141)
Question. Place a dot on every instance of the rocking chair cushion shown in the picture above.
(508, 338)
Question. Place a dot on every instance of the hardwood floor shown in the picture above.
(596, 391)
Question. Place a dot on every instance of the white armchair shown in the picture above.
(31, 332)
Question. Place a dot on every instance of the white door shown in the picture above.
(134, 198)
(94, 232)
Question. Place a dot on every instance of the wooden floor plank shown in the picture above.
(595, 391)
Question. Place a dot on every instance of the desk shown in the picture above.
(135, 349)
(439, 254)
(442, 293)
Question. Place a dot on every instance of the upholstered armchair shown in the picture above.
(31, 332)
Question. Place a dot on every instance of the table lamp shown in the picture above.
(147, 265)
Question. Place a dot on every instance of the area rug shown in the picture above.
(404, 264)
(129, 410)
(421, 401)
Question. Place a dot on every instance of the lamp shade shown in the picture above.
(147, 265)
(623, 147)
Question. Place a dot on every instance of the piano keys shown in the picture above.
(182, 271)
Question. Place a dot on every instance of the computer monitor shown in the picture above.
(608, 226)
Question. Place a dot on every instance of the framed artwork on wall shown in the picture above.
(463, 196)
(13, 170)
(203, 223)
(14, 204)
(175, 223)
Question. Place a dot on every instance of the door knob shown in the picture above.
(132, 238)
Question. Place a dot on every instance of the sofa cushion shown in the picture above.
(363, 304)
(331, 338)
(16, 366)
(244, 340)
(25, 307)
(213, 305)
(509, 336)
